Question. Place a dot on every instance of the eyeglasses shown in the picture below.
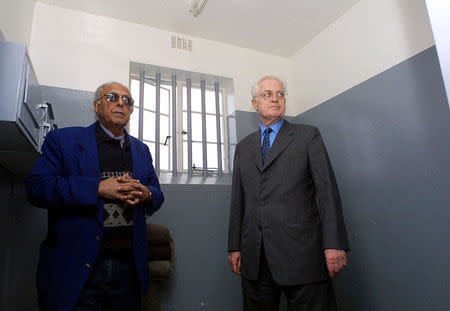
(114, 98)
(278, 95)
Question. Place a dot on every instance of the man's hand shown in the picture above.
(336, 261)
(234, 258)
(125, 189)
(133, 190)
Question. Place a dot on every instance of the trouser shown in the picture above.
(113, 285)
(264, 294)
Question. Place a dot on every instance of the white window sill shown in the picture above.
(166, 178)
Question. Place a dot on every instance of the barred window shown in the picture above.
(184, 118)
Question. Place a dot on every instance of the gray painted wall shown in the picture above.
(197, 216)
(6, 182)
(71, 107)
(389, 142)
(23, 228)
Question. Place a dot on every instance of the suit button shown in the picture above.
(87, 266)
(97, 238)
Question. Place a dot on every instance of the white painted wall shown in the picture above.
(76, 50)
(371, 37)
(16, 18)
(439, 12)
(71, 49)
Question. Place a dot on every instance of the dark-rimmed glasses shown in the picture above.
(114, 98)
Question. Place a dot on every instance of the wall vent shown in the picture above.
(180, 43)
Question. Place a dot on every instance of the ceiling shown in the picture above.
(279, 27)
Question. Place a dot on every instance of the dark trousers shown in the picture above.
(264, 294)
(113, 285)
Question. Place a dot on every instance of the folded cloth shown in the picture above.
(160, 252)
(157, 234)
(160, 269)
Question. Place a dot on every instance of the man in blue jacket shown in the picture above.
(98, 185)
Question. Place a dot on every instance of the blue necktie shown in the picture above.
(266, 144)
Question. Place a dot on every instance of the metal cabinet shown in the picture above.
(23, 112)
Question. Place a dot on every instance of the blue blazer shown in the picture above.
(65, 181)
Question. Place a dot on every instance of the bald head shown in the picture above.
(111, 110)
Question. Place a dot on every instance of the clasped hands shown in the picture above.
(125, 189)
(336, 261)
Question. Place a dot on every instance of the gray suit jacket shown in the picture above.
(292, 203)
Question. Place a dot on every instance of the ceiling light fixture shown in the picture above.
(197, 7)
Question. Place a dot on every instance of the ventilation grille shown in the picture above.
(181, 43)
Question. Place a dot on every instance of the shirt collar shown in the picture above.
(110, 134)
(104, 135)
(275, 127)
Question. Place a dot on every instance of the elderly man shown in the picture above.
(286, 231)
(98, 185)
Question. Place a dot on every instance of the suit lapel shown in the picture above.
(138, 161)
(89, 163)
(88, 160)
(139, 167)
(255, 146)
(283, 139)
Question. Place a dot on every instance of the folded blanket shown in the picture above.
(157, 234)
(160, 252)
(160, 269)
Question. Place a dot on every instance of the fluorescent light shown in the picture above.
(197, 7)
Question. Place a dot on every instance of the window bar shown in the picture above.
(174, 126)
(189, 125)
(157, 121)
(141, 105)
(205, 159)
(219, 140)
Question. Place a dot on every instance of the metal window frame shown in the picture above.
(157, 122)
(223, 121)
(176, 117)
(189, 123)
(204, 149)
(219, 139)
(174, 126)
(141, 105)
(142, 110)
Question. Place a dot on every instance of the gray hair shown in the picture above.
(98, 93)
(255, 87)
(99, 90)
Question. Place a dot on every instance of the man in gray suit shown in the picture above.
(286, 231)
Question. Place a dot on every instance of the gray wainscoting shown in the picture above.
(197, 216)
(22, 230)
(389, 142)
(70, 107)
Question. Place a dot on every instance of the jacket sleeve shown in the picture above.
(237, 207)
(47, 186)
(152, 183)
(334, 235)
